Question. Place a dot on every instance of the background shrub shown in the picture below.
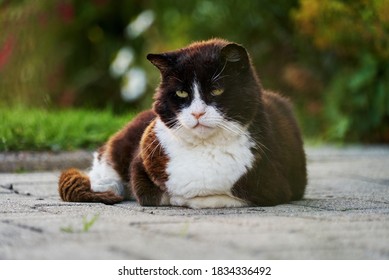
(330, 57)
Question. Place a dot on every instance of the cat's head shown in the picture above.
(206, 87)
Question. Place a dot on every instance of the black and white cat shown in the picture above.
(214, 139)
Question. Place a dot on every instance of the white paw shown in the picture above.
(108, 185)
(165, 200)
(178, 201)
(212, 201)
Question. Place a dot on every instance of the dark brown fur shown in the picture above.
(279, 174)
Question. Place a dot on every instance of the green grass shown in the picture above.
(56, 130)
(86, 225)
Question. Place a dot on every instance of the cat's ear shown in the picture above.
(162, 61)
(234, 53)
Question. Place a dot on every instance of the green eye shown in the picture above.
(217, 92)
(182, 94)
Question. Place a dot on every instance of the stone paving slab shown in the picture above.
(344, 215)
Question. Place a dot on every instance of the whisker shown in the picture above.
(234, 128)
(177, 127)
(149, 146)
(173, 77)
(215, 77)
(155, 149)
(171, 121)
(220, 77)
(152, 150)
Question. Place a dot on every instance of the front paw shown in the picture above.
(165, 200)
(212, 201)
(179, 201)
(106, 185)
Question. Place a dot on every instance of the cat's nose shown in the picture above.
(198, 115)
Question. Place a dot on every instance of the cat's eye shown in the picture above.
(217, 92)
(182, 94)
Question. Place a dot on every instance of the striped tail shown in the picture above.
(74, 186)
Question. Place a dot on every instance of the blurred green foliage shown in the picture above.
(356, 35)
(330, 57)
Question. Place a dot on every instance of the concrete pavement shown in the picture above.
(344, 215)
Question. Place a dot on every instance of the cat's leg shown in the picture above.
(103, 177)
(144, 190)
(212, 201)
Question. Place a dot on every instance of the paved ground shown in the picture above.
(345, 215)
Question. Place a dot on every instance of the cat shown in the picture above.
(214, 138)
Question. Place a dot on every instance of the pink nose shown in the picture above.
(198, 115)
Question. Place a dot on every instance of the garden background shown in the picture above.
(73, 72)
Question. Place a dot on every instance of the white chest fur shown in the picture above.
(204, 167)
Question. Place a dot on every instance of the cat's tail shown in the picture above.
(74, 186)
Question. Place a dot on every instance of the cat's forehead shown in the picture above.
(202, 52)
(197, 63)
(200, 58)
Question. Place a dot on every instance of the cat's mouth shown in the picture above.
(202, 130)
(200, 125)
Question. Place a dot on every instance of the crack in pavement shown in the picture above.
(11, 188)
(31, 228)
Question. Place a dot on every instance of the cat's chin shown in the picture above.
(196, 135)
(203, 131)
